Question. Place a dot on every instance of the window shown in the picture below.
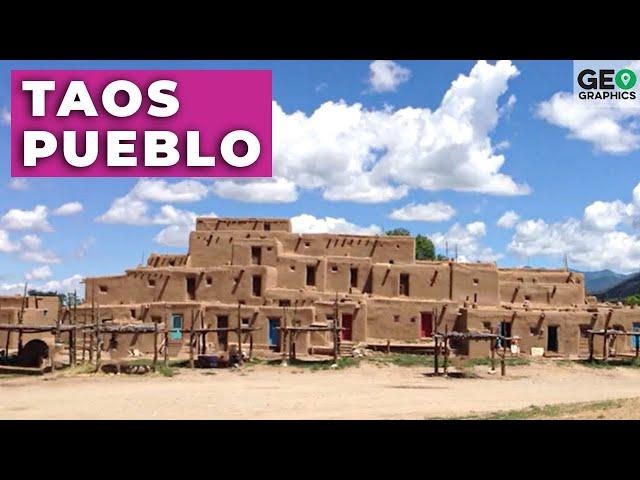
(404, 285)
(527, 297)
(306, 244)
(353, 277)
(284, 303)
(245, 321)
(209, 281)
(256, 255)
(44, 313)
(151, 282)
(256, 285)
(396, 318)
(103, 289)
(267, 227)
(292, 268)
(476, 281)
(191, 288)
(311, 275)
(133, 313)
(334, 268)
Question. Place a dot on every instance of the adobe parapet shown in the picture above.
(243, 224)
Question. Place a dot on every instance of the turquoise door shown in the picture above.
(274, 333)
(635, 339)
(176, 327)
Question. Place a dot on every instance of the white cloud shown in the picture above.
(321, 86)
(6, 245)
(66, 209)
(84, 248)
(36, 219)
(349, 153)
(610, 129)
(18, 184)
(306, 223)
(180, 224)
(40, 273)
(508, 219)
(276, 190)
(386, 76)
(430, 212)
(67, 285)
(466, 238)
(132, 209)
(161, 191)
(600, 239)
(30, 249)
(5, 116)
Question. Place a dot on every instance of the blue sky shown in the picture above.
(568, 176)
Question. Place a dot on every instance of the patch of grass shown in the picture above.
(509, 362)
(402, 359)
(548, 411)
(149, 362)
(166, 371)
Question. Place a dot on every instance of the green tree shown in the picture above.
(632, 300)
(425, 249)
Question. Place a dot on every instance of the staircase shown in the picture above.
(346, 348)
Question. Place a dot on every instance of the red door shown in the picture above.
(347, 327)
(426, 324)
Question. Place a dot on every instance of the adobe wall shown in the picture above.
(243, 224)
(476, 283)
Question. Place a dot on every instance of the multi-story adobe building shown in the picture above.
(257, 271)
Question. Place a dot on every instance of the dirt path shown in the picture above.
(268, 392)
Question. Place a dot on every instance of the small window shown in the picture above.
(396, 318)
(256, 255)
(292, 268)
(284, 303)
(172, 262)
(44, 313)
(353, 277)
(306, 244)
(209, 281)
(245, 322)
(391, 262)
(103, 289)
(267, 227)
(311, 275)
(527, 297)
(413, 319)
(256, 285)
(133, 313)
(476, 281)
(404, 285)
(151, 282)
(334, 268)
(520, 279)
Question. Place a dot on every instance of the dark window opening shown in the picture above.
(191, 288)
(209, 281)
(404, 285)
(583, 331)
(311, 275)
(133, 313)
(396, 318)
(245, 321)
(552, 338)
(527, 297)
(172, 263)
(256, 285)
(156, 319)
(267, 227)
(103, 289)
(223, 322)
(475, 298)
(152, 282)
(256, 255)
(353, 273)
(476, 281)
(284, 303)
(334, 268)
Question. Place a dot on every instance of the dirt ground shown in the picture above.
(367, 391)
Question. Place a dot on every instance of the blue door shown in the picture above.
(176, 327)
(635, 339)
(274, 333)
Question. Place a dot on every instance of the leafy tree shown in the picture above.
(425, 249)
(66, 300)
(632, 300)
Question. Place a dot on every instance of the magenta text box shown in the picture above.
(213, 102)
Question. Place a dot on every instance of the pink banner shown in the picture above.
(142, 123)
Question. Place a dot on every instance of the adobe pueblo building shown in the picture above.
(257, 272)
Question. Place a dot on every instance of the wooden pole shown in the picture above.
(590, 346)
(435, 356)
(446, 350)
(250, 345)
(74, 335)
(204, 334)
(388, 346)
(605, 346)
(637, 344)
(155, 345)
(503, 365)
(493, 354)
(166, 337)
(56, 341)
(21, 317)
(239, 332)
(191, 339)
(336, 345)
(98, 339)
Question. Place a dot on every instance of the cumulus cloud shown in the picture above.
(6, 244)
(18, 184)
(36, 219)
(31, 249)
(603, 238)
(612, 129)
(467, 239)
(429, 212)
(39, 273)
(508, 219)
(386, 76)
(350, 153)
(306, 223)
(66, 209)
(180, 224)
(67, 285)
(272, 190)
(5, 116)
